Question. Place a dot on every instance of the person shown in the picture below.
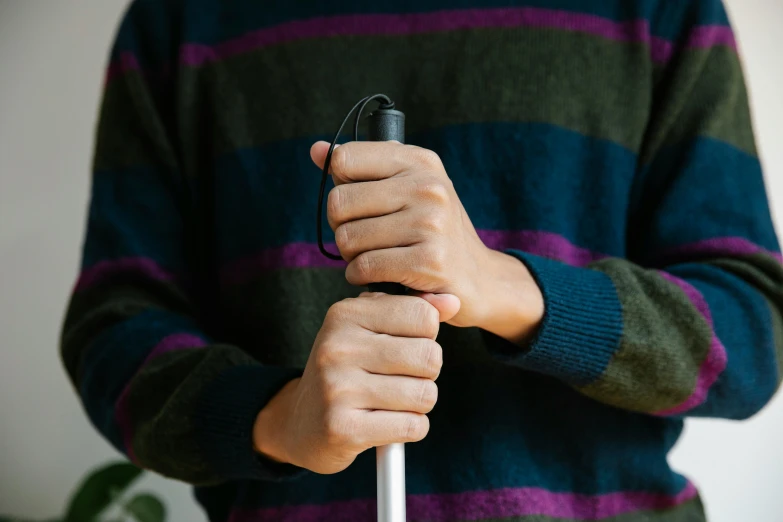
(579, 214)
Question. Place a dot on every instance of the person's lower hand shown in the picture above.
(369, 381)
(397, 218)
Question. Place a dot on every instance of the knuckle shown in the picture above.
(435, 222)
(334, 389)
(323, 356)
(433, 357)
(335, 203)
(435, 258)
(339, 311)
(342, 237)
(428, 157)
(338, 428)
(427, 396)
(364, 267)
(426, 317)
(341, 158)
(330, 353)
(432, 190)
(415, 428)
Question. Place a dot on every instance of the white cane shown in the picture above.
(385, 124)
(390, 462)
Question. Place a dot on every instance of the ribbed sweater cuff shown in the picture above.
(224, 420)
(582, 323)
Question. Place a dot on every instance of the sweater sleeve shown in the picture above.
(690, 323)
(151, 379)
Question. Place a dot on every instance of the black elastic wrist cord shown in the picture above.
(358, 108)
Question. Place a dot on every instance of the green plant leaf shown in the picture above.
(146, 508)
(99, 490)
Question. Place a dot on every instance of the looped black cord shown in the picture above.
(360, 105)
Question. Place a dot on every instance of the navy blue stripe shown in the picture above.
(742, 322)
(467, 444)
(114, 357)
(135, 212)
(714, 187)
(267, 196)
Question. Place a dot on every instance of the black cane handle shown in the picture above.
(387, 125)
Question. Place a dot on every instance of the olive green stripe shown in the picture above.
(705, 96)
(160, 400)
(640, 375)
(304, 293)
(307, 294)
(305, 88)
(690, 511)
(134, 126)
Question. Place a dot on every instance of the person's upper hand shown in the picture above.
(407, 225)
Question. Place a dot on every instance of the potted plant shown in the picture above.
(102, 497)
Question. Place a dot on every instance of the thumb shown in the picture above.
(318, 153)
(447, 304)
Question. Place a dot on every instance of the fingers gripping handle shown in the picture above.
(387, 125)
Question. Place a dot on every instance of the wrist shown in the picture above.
(513, 302)
(269, 427)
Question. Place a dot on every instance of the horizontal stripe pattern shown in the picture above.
(636, 31)
(308, 255)
(170, 343)
(493, 167)
(480, 505)
(715, 362)
(414, 23)
(572, 207)
(110, 268)
(712, 35)
(716, 247)
(126, 62)
(301, 255)
(111, 359)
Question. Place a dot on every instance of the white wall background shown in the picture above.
(51, 66)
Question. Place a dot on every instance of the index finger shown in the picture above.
(365, 160)
(395, 315)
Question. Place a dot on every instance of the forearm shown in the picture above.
(514, 305)
(158, 389)
(697, 338)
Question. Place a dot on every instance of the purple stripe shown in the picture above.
(414, 23)
(712, 35)
(660, 50)
(479, 505)
(292, 255)
(717, 246)
(195, 54)
(701, 37)
(715, 362)
(307, 255)
(126, 62)
(128, 265)
(540, 243)
(170, 343)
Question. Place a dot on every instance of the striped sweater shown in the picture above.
(606, 145)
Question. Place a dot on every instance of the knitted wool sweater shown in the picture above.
(606, 145)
